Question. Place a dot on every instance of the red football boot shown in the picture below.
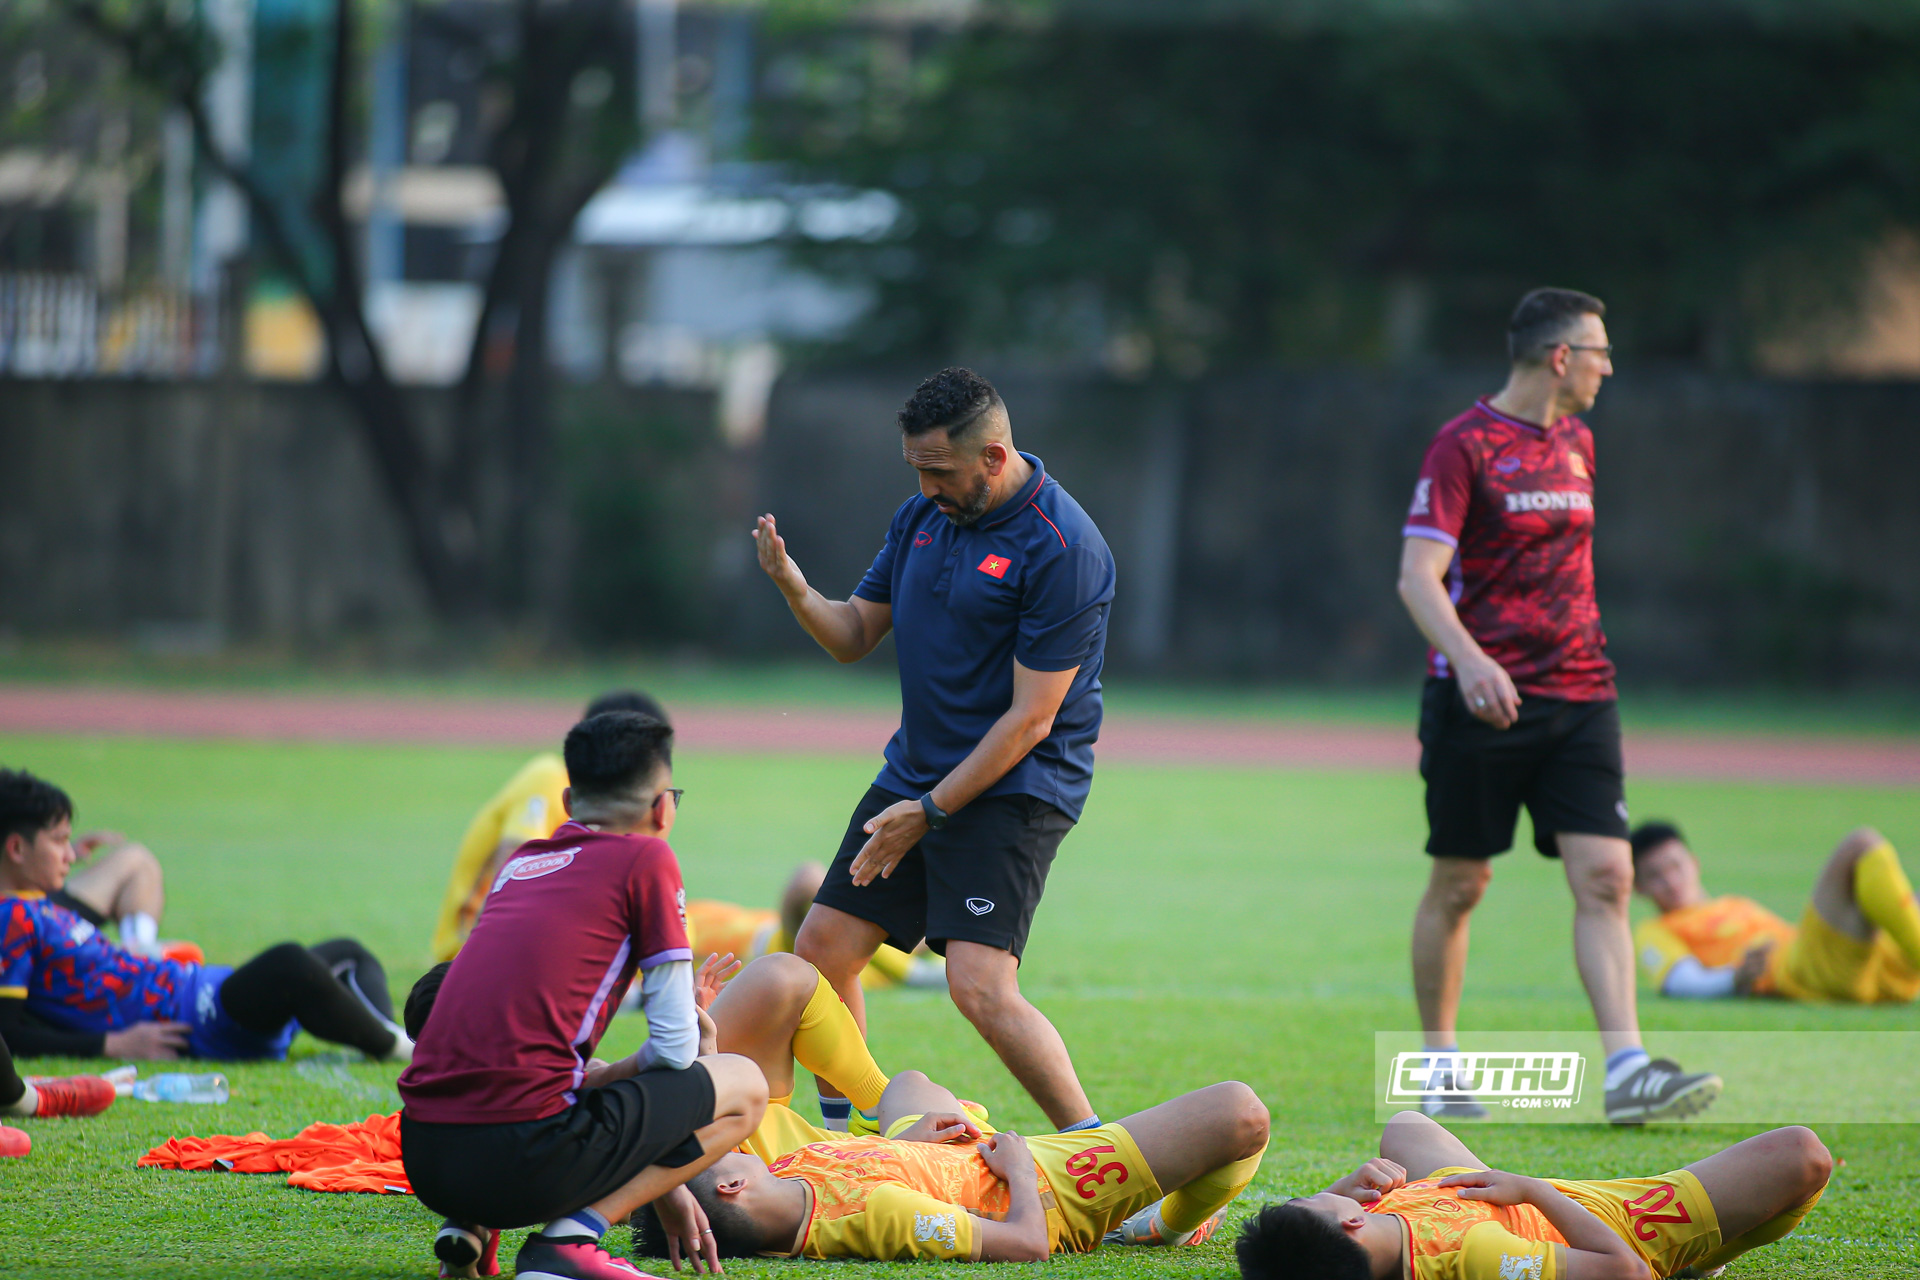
(14, 1143)
(572, 1258)
(72, 1095)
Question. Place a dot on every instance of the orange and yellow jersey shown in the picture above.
(1716, 933)
(717, 928)
(880, 1199)
(529, 807)
(1449, 1238)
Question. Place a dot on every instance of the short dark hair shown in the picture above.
(29, 805)
(626, 700)
(420, 999)
(1542, 319)
(615, 752)
(1291, 1242)
(1649, 836)
(735, 1233)
(952, 400)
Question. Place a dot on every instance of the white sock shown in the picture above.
(26, 1104)
(140, 934)
(1624, 1063)
(402, 1050)
(585, 1223)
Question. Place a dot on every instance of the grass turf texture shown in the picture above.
(1202, 924)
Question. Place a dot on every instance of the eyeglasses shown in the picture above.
(675, 792)
(1606, 351)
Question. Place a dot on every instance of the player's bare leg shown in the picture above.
(1833, 892)
(985, 985)
(798, 895)
(1420, 1145)
(1600, 873)
(739, 1101)
(839, 946)
(124, 884)
(1203, 1148)
(1761, 1189)
(1441, 926)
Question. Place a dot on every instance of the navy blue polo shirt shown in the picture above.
(1032, 581)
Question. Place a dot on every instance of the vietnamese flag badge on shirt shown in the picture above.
(996, 566)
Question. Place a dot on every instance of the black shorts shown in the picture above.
(61, 898)
(1560, 759)
(977, 879)
(532, 1171)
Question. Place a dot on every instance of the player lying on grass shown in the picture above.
(64, 989)
(932, 1188)
(1858, 940)
(508, 1121)
(1429, 1209)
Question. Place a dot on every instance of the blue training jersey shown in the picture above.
(72, 977)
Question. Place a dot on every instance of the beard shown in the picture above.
(976, 504)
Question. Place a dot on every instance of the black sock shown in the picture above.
(12, 1087)
(291, 982)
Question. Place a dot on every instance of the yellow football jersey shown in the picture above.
(1716, 933)
(527, 808)
(1449, 1238)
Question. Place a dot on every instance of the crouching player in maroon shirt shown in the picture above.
(1519, 707)
(509, 1120)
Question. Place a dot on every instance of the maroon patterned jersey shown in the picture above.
(1515, 502)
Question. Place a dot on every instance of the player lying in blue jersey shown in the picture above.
(65, 989)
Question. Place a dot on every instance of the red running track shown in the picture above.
(1154, 739)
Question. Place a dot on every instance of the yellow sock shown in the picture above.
(1766, 1233)
(829, 1044)
(1886, 898)
(888, 968)
(1207, 1194)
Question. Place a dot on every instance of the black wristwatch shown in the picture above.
(936, 816)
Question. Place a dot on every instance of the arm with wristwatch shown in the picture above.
(1037, 696)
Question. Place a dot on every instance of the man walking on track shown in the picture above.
(997, 587)
(1519, 706)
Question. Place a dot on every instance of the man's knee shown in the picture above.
(832, 942)
(982, 981)
(1456, 885)
(1249, 1122)
(1808, 1159)
(788, 978)
(1602, 884)
(1859, 841)
(739, 1087)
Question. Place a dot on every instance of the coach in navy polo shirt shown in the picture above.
(997, 587)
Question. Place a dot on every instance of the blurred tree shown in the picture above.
(561, 121)
(1258, 182)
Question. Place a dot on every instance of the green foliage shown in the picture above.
(1201, 924)
(1252, 188)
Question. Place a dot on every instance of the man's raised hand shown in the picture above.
(774, 558)
(890, 834)
(1372, 1180)
(715, 972)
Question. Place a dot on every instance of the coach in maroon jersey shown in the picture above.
(1519, 706)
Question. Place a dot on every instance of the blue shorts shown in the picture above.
(213, 1033)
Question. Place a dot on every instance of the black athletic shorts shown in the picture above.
(1560, 759)
(61, 898)
(530, 1172)
(977, 879)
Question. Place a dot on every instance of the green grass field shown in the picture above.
(1202, 924)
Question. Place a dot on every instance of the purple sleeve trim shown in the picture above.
(659, 958)
(1422, 531)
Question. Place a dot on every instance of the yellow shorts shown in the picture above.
(1098, 1179)
(1667, 1219)
(1090, 1181)
(1822, 963)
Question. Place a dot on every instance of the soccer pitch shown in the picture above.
(1201, 924)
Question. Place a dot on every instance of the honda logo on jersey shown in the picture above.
(996, 566)
(1549, 500)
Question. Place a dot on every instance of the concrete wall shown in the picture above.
(1748, 530)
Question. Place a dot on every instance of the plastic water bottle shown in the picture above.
(179, 1087)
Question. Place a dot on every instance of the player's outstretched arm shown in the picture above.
(1484, 683)
(847, 629)
(1594, 1252)
(1022, 1237)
